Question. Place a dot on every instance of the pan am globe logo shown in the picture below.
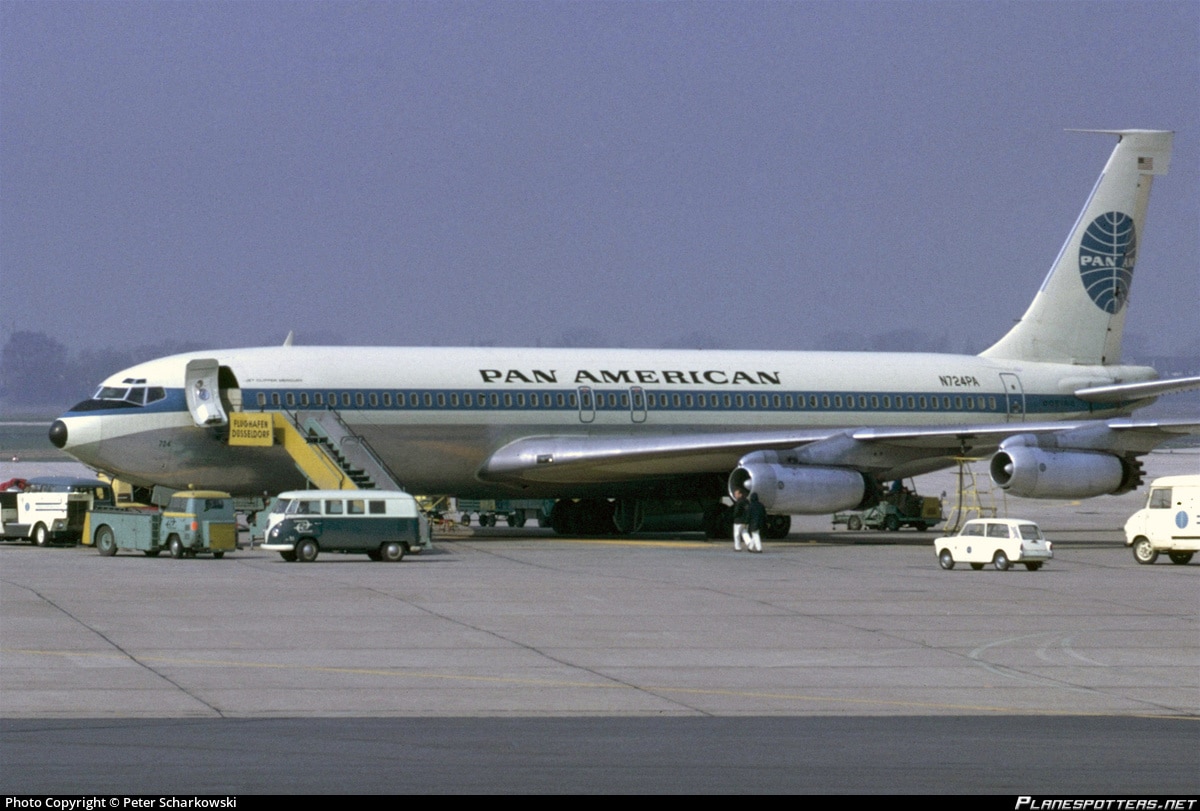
(1106, 256)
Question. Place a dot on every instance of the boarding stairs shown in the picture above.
(329, 454)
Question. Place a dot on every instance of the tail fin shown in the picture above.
(1078, 314)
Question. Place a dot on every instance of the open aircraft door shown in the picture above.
(203, 392)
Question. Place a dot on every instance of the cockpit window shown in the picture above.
(135, 395)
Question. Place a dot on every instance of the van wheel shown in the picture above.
(392, 552)
(1182, 558)
(1143, 551)
(1000, 561)
(375, 555)
(1034, 565)
(106, 542)
(290, 557)
(946, 560)
(175, 547)
(151, 553)
(39, 536)
(977, 566)
(307, 550)
(891, 523)
(218, 555)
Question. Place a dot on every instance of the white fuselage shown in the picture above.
(436, 415)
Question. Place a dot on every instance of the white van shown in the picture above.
(1170, 521)
(384, 524)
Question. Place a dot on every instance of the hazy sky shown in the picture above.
(762, 174)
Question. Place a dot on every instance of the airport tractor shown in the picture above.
(194, 521)
(899, 507)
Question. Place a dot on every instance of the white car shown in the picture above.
(998, 541)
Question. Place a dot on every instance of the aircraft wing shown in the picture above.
(884, 452)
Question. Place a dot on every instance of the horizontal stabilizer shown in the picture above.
(1119, 392)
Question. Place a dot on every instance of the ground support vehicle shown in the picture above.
(1170, 521)
(514, 512)
(383, 524)
(998, 541)
(50, 509)
(195, 521)
(899, 508)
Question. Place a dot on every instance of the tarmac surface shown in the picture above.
(513, 660)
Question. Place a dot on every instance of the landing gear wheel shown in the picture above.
(891, 523)
(106, 542)
(778, 527)
(392, 552)
(307, 550)
(946, 560)
(39, 536)
(1143, 551)
(1000, 561)
(1181, 558)
(1033, 566)
(854, 523)
(175, 547)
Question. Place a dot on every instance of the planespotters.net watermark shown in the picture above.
(1093, 804)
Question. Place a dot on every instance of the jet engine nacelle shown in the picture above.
(801, 490)
(1042, 473)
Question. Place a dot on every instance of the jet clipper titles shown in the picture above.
(715, 377)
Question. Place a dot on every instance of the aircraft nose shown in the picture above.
(58, 434)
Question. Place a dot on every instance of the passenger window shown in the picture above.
(373, 399)
(262, 399)
(333, 507)
(304, 399)
(290, 398)
(377, 507)
(346, 399)
(358, 399)
(355, 506)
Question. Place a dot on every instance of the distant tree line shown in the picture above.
(37, 372)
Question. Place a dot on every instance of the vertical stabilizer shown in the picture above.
(1078, 314)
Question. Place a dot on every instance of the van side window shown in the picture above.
(333, 506)
(997, 531)
(1160, 498)
(308, 507)
(355, 506)
(973, 529)
(377, 507)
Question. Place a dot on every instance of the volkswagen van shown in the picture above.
(383, 524)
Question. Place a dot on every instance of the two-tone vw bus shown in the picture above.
(384, 524)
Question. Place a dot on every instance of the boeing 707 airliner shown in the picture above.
(615, 436)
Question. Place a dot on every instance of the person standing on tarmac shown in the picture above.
(741, 514)
(756, 523)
